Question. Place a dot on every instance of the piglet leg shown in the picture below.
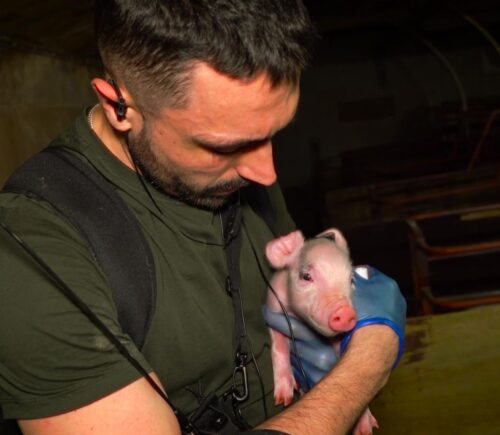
(284, 382)
(365, 424)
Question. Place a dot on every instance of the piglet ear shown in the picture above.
(282, 251)
(336, 236)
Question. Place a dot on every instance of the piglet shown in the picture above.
(313, 281)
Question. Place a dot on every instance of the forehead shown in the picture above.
(218, 105)
(325, 255)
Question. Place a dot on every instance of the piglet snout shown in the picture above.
(343, 319)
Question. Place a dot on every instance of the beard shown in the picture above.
(173, 182)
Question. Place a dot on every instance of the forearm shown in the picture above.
(335, 403)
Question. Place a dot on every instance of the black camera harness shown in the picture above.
(215, 414)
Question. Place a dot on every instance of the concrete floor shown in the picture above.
(448, 381)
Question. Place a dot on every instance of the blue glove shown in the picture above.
(377, 301)
(317, 355)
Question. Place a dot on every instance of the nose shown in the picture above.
(343, 319)
(257, 165)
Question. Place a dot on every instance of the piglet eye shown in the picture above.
(306, 276)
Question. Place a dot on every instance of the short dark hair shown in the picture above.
(150, 45)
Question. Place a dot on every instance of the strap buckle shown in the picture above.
(240, 370)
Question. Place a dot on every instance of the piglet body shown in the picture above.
(313, 281)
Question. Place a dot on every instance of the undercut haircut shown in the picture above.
(150, 46)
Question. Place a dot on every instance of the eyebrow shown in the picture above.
(229, 145)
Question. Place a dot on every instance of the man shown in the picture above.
(193, 94)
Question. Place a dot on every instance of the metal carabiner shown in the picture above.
(240, 397)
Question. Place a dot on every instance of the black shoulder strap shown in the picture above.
(91, 204)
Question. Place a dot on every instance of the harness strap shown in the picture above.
(84, 308)
(73, 187)
(92, 205)
(231, 223)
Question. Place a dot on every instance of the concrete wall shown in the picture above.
(407, 87)
(39, 96)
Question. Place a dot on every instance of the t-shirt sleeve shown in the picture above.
(53, 359)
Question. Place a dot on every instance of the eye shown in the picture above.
(224, 151)
(306, 276)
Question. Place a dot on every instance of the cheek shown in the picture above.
(203, 163)
(303, 300)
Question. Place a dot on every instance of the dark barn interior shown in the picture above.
(396, 142)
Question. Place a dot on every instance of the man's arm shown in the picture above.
(52, 358)
(336, 402)
(331, 407)
(134, 409)
(372, 347)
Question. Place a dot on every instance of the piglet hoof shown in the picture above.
(365, 424)
(283, 392)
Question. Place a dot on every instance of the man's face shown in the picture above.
(218, 143)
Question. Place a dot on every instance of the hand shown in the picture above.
(377, 301)
(316, 353)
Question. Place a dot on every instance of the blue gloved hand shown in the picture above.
(377, 301)
(317, 355)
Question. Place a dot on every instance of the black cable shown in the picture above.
(255, 363)
(84, 308)
(285, 312)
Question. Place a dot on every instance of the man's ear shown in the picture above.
(109, 98)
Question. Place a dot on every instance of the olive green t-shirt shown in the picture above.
(52, 357)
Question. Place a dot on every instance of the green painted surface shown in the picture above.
(448, 381)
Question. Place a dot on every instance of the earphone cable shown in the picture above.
(285, 312)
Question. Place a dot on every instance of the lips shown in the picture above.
(229, 188)
(227, 192)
